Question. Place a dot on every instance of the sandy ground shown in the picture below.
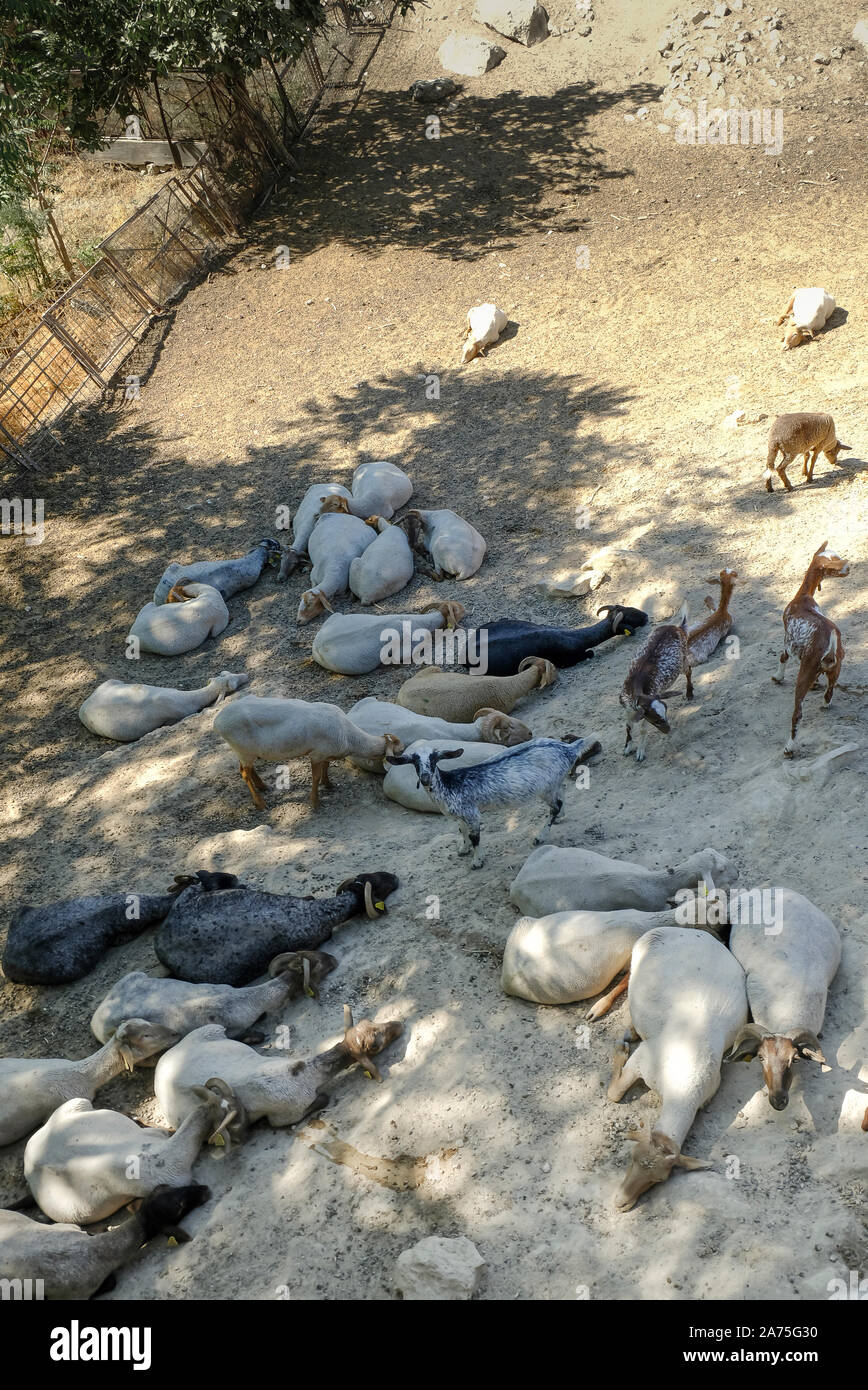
(608, 391)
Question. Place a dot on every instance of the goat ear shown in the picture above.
(808, 1047)
(691, 1164)
(396, 759)
(848, 447)
(450, 753)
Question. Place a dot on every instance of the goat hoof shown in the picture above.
(640, 757)
(778, 680)
(465, 849)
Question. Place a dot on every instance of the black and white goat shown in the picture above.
(539, 767)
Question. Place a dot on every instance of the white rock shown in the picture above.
(523, 21)
(439, 1269)
(733, 421)
(467, 55)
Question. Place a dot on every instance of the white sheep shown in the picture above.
(456, 548)
(335, 542)
(789, 966)
(402, 785)
(485, 323)
(379, 489)
(807, 312)
(385, 567)
(353, 643)
(381, 716)
(191, 613)
(127, 710)
(687, 1002)
(572, 880)
(279, 730)
(309, 508)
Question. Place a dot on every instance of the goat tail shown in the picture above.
(584, 749)
(680, 620)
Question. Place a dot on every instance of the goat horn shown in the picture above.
(348, 1018)
(305, 975)
(369, 900)
(749, 1032)
(808, 1041)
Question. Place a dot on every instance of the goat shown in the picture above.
(355, 643)
(378, 716)
(60, 942)
(380, 488)
(32, 1087)
(385, 567)
(84, 1164)
(687, 1002)
(812, 637)
(662, 660)
(180, 1007)
(510, 641)
(537, 768)
(455, 696)
(401, 784)
(803, 432)
(485, 323)
(335, 542)
(706, 637)
(68, 1263)
(788, 977)
(191, 613)
(282, 1090)
(808, 310)
(127, 710)
(229, 936)
(454, 546)
(278, 730)
(571, 880)
(228, 577)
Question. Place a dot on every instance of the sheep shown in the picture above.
(803, 432)
(572, 880)
(229, 937)
(191, 613)
(454, 546)
(308, 513)
(355, 643)
(788, 976)
(32, 1087)
(812, 637)
(379, 488)
(385, 567)
(537, 768)
(335, 542)
(278, 730)
(567, 956)
(181, 1007)
(509, 641)
(454, 696)
(485, 323)
(808, 310)
(84, 1164)
(228, 577)
(65, 1262)
(644, 693)
(281, 1090)
(704, 639)
(127, 710)
(380, 716)
(402, 785)
(687, 1002)
(60, 942)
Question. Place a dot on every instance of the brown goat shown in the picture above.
(804, 432)
(706, 637)
(662, 660)
(812, 637)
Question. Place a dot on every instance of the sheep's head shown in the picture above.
(333, 503)
(178, 594)
(273, 550)
(547, 671)
(832, 454)
(624, 620)
(228, 682)
(453, 612)
(371, 891)
(376, 522)
(312, 605)
(136, 1040)
(500, 728)
(363, 1040)
(652, 1161)
(303, 971)
(794, 336)
(392, 745)
(412, 523)
(163, 1208)
(290, 561)
(777, 1054)
(229, 1116)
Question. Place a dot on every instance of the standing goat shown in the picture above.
(662, 660)
(537, 768)
(804, 432)
(706, 637)
(812, 637)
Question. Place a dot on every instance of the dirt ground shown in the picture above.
(608, 391)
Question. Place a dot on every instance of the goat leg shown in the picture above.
(804, 681)
(251, 778)
(603, 1005)
(625, 1072)
(779, 680)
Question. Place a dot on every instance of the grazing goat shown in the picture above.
(380, 716)
(812, 637)
(538, 768)
(278, 730)
(645, 691)
(788, 977)
(191, 613)
(687, 1002)
(453, 545)
(485, 323)
(807, 311)
(127, 710)
(355, 643)
(804, 432)
(454, 696)
(706, 637)
(574, 880)
(335, 542)
(385, 567)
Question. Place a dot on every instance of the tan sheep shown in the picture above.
(457, 697)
